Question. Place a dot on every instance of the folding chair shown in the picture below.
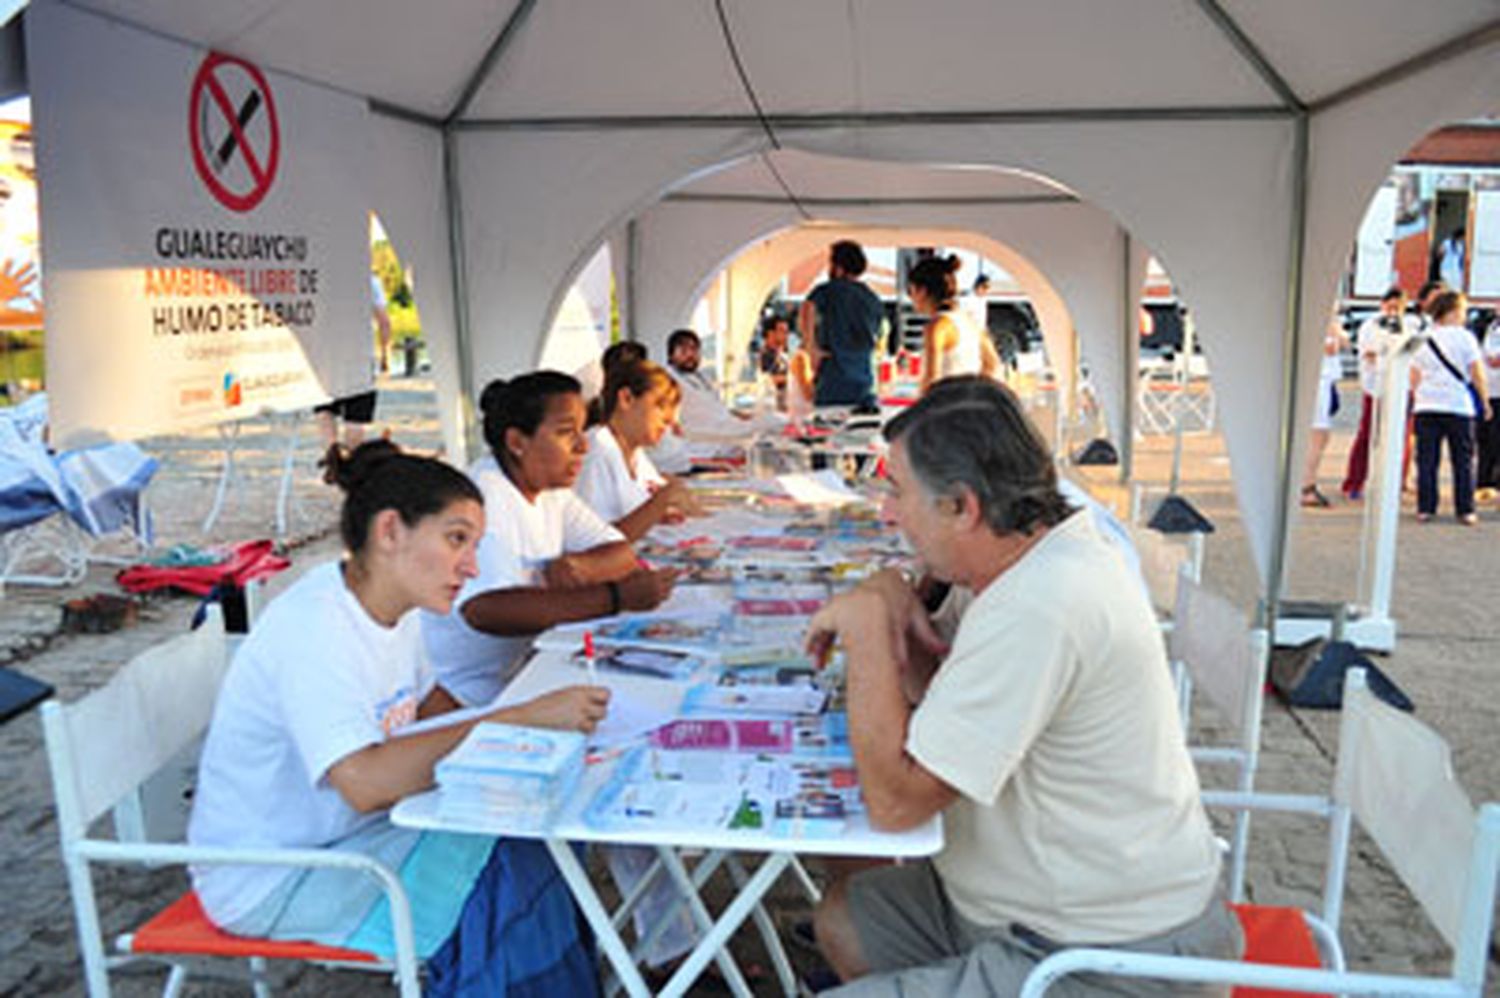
(56, 508)
(1394, 776)
(104, 749)
(1214, 652)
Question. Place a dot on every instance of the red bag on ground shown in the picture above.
(246, 562)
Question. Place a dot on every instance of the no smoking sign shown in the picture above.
(233, 131)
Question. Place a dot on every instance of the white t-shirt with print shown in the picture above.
(1054, 718)
(317, 680)
(520, 538)
(610, 488)
(1375, 339)
(1439, 390)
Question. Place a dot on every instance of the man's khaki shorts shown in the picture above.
(917, 945)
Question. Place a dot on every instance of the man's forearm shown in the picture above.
(896, 792)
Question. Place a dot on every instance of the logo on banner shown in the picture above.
(233, 131)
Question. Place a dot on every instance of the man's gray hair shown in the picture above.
(970, 432)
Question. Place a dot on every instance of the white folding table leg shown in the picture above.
(705, 868)
(720, 952)
(633, 898)
(805, 879)
(610, 942)
(768, 934)
(738, 910)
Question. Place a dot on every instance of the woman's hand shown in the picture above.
(646, 589)
(679, 499)
(573, 708)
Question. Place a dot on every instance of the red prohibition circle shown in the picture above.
(262, 173)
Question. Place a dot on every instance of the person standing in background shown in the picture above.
(840, 323)
(1447, 376)
(953, 342)
(357, 411)
(1378, 337)
(1327, 403)
(1488, 478)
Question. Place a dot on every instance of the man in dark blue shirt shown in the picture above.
(841, 319)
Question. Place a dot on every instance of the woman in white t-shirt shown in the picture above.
(1442, 371)
(306, 747)
(618, 480)
(546, 558)
(1324, 406)
(953, 342)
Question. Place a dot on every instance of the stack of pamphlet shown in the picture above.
(509, 778)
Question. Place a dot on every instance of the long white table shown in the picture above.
(721, 847)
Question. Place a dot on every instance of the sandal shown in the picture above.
(1311, 497)
(1424, 517)
(1469, 519)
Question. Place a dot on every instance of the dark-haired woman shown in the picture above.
(546, 558)
(953, 342)
(306, 746)
(618, 480)
(1442, 373)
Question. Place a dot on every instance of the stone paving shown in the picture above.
(1447, 659)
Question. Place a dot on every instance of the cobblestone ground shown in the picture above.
(1447, 659)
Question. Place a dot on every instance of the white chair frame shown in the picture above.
(192, 665)
(1233, 680)
(1460, 901)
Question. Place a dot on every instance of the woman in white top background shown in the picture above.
(306, 747)
(546, 558)
(953, 342)
(1335, 340)
(1442, 371)
(618, 480)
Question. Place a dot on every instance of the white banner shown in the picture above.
(204, 232)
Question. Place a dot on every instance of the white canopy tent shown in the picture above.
(1236, 138)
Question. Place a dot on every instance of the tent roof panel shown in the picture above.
(977, 55)
(417, 56)
(666, 58)
(1321, 48)
(583, 58)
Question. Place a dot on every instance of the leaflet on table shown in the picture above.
(662, 664)
(730, 695)
(756, 598)
(819, 488)
(815, 735)
(509, 775)
(719, 637)
(686, 790)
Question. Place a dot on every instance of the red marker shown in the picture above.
(588, 657)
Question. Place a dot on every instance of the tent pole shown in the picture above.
(463, 340)
(1128, 413)
(632, 251)
(1291, 346)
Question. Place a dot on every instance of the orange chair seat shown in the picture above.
(1277, 936)
(182, 927)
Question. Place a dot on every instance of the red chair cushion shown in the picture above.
(1276, 936)
(182, 927)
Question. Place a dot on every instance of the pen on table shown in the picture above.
(588, 657)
